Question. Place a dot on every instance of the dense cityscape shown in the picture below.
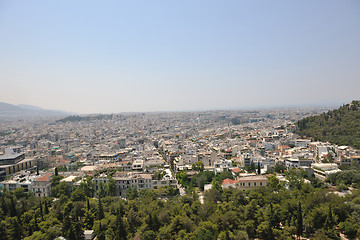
(87, 158)
(179, 120)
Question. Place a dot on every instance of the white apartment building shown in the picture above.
(222, 165)
(297, 163)
(132, 180)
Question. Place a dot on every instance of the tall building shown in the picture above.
(12, 161)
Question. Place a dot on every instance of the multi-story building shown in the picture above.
(246, 183)
(297, 163)
(138, 164)
(41, 187)
(250, 182)
(246, 159)
(12, 161)
(13, 184)
(302, 143)
(132, 180)
(222, 165)
(323, 170)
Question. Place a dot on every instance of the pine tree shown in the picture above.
(15, 229)
(41, 211)
(272, 217)
(120, 231)
(46, 207)
(89, 220)
(299, 226)
(56, 172)
(3, 206)
(3, 234)
(36, 226)
(329, 223)
(30, 231)
(101, 233)
(13, 212)
(258, 169)
(67, 227)
(88, 204)
(100, 211)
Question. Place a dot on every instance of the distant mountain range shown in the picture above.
(9, 111)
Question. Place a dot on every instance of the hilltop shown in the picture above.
(10, 111)
(340, 126)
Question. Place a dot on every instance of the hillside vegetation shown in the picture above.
(340, 126)
(274, 212)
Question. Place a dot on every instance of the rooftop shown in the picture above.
(45, 178)
(253, 178)
(10, 156)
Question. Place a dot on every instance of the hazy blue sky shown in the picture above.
(116, 56)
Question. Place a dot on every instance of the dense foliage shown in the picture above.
(202, 178)
(340, 126)
(347, 177)
(264, 213)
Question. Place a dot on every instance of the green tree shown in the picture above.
(14, 228)
(56, 180)
(88, 204)
(119, 227)
(88, 219)
(216, 185)
(274, 182)
(198, 166)
(101, 233)
(19, 193)
(46, 207)
(132, 193)
(295, 178)
(78, 195)
(4, 206)
(100, 210)
(299, 222)
(41, 210)
(87, 186)
(61, 189)
(329, 223)
(110, 187)
(12, 211)
(3, 233)
(250, 168)
(280, 167)
(183, 178)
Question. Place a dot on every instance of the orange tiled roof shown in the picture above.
(236, 170)
(228, 181)
(45, 178)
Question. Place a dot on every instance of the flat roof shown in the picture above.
(88, 168)
(68, 179)
(7, 156)
(253, 178)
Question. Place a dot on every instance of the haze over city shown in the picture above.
(216, 120)
(126, 56)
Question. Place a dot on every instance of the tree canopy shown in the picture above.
(272, 212)
(340, 126)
